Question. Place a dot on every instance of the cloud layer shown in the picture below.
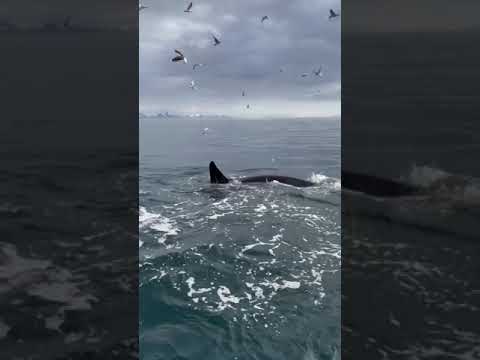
(298, 37)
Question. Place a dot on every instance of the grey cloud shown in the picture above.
(297, 36)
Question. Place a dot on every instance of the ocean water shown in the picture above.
(69, 195)
(67, 256)
(424, 253)
(239, 271)
(410, 284)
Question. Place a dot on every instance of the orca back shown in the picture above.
(375, 186)
(216, 177)
(281, 179)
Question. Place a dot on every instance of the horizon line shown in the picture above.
(235, 117)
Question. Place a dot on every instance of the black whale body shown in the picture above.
(367, 184)
(281, 179)
(216, 177)
(376, 186)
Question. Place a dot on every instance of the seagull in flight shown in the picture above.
(333, 15)
(193, 85)
(304, 75)
(189, 8)
(197, 65)
(179, 57)
(141, 7)
(264, 18)
(216, 41)
(318, 72)
(67, 22)
(205, 131)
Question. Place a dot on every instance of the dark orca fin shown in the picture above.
(216, 176)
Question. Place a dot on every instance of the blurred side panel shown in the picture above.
(69, 179)
(410, 179)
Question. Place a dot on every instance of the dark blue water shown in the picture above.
(239, 271)
(66, 268)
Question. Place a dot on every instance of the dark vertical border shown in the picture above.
(410, 179)
(69, 180)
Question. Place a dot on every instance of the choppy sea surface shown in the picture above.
(67, 256)
(410, 284)
(418, 256)
(239, 271)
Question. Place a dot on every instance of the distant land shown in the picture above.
(168, 115)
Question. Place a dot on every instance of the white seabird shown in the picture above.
(196, 65)
(179, 57)
(216, 41)
(318, 72)
(264, 18)
(189, 8)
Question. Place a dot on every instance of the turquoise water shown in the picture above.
(239, 271)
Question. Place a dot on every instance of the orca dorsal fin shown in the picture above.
(216, 176)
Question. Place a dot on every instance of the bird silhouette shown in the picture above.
(333, 14)
(318, 72)
(179, 57)
(216, 41)
(67, 22)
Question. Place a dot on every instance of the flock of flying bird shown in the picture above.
(180, 57)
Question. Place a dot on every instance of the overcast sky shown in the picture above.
(298, 37)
